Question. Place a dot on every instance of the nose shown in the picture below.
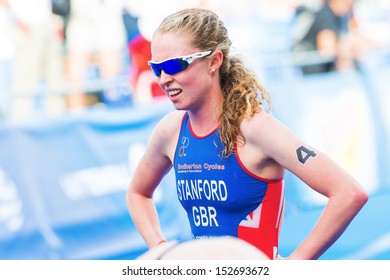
(164, 78)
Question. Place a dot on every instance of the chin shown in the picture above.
(178, 106)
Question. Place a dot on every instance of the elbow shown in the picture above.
(359, 199)
(134, 196)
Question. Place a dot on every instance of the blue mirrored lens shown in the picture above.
(171, 66)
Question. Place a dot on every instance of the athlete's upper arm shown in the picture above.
(308, 163)
(158, 156)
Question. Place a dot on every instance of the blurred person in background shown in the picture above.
(7, 52)
(229, 154)
(38, 61)
(333, 34)
(96, 36)
(142, 80)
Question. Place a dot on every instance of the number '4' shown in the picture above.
(304, 154)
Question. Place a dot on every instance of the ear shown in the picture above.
(216, 60)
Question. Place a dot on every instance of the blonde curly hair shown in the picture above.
(243, 95)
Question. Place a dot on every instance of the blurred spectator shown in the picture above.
(95, 37)
(61, 8)
(38, 59)
(7, 51)
(142, 80)
(332, 34)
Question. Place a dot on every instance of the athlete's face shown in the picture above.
(187, 89)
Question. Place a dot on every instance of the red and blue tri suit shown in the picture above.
(221, 197)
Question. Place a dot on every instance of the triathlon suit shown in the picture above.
(221, 197)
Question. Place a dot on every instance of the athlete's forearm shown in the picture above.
(336, 217)
(145, 217)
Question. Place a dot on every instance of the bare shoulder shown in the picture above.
(262, 126)
(170, 124)
(266, 132)
(261, 117)
(164, 136)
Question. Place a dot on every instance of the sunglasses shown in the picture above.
(177, 64)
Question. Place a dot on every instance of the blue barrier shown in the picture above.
(63, 183)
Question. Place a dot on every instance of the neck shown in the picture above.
(206, 118)
(203, 123)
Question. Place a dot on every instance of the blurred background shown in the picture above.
(78, 103)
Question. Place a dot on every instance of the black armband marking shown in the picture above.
(304, 154)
